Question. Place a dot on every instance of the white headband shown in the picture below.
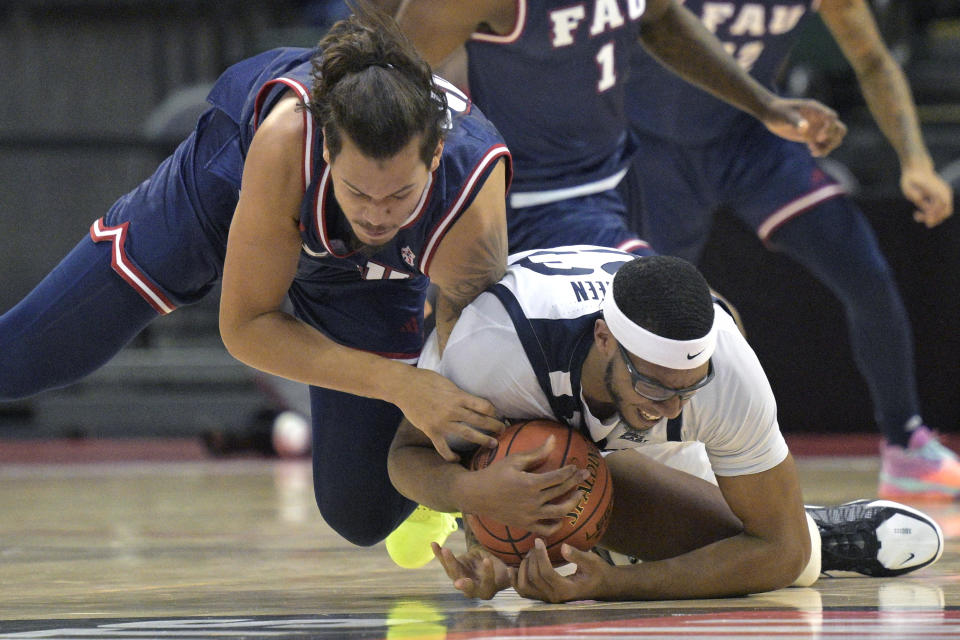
(674, 354)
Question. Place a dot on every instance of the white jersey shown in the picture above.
(522, 343)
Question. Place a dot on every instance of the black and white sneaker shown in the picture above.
(876, 538)
(613, 558)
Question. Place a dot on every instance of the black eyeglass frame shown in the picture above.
(637, 378)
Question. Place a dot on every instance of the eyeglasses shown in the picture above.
(653, 390)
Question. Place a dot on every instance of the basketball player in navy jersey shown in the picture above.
(634, 353)
(550, 75)
(341, 177)
(699, 154)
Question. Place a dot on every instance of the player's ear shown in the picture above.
(602, 337)
(435, 160)
(326, 152)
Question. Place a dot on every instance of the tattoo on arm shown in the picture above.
(882, 82)
(484, 265)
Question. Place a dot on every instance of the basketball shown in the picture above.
(583, 527)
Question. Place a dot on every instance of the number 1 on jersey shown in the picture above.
(605, 62)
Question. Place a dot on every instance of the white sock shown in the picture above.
(811, 572)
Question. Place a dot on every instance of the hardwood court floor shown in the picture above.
(237, 549)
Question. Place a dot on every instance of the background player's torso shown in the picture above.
(553, 87)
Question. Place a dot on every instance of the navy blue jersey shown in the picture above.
(472, 147)
(170, 234)
(758, 34)
(553, 87)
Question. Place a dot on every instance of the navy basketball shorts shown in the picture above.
(766, 181)
(170, 232)
(597, 219)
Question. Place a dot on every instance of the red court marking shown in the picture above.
(70, 450)
(847, 444)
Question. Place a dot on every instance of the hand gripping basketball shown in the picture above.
(582, 527)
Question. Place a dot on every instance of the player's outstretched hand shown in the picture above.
(536, 577)
(807, 121)
(930, 193)
(477, 573)
(537, 502)
(446, 413)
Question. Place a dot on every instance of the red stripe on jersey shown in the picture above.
(421, 204)
(125, 268)
(409, 358)
(308, 125)
(433, 241)
(320, 216)
(630, 245)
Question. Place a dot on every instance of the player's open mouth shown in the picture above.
(648, 417)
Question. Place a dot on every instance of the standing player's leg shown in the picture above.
(835, 243)
(797, 209)
(668, 206)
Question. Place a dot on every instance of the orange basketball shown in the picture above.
(583, 527)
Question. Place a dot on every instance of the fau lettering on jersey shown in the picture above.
(606, 16)
(752, 18)
(758, 35)
(564, 60)
(742, 27)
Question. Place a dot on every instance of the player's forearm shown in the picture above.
(679, 41)
(888, 96)
(284, 346)
(739, 565)
(421, 475)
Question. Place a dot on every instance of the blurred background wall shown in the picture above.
(97, 92)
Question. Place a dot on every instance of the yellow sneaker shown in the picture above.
(409, 544)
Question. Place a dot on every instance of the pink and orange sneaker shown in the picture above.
(925, 470)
